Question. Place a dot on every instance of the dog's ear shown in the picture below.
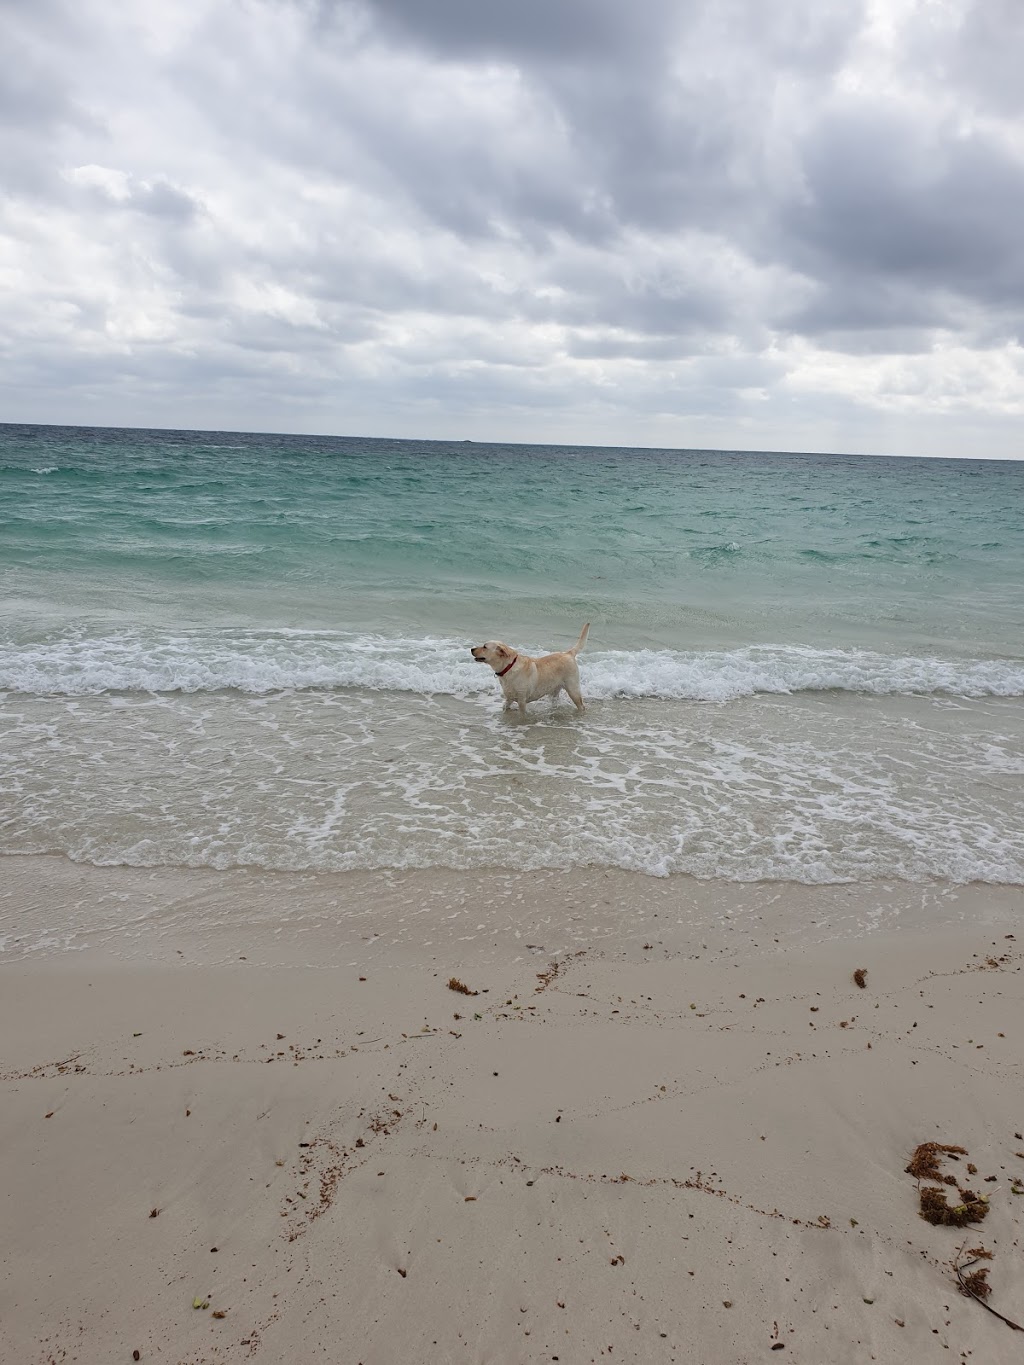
(502, 652)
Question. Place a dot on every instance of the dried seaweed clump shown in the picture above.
(454, 984)
(924, 1164)
(976, 1285)
(935, 1209)
(861, 977)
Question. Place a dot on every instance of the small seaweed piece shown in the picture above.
(976, 1285)
(924, 1164)
(861, 977)
(454, 984)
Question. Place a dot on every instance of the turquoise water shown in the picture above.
(221, 649)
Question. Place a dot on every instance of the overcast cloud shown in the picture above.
(730, 223)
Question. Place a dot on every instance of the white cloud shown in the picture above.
(437, 219)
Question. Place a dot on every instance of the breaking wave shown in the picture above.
(262, 662)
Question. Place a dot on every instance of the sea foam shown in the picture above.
(264, 662)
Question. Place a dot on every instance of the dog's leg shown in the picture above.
(576, 697)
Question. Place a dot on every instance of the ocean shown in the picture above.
(225, 650)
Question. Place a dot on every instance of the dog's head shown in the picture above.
(494, 653)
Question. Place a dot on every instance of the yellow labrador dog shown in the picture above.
(524, 679)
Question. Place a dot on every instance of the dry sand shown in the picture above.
(647, 1142)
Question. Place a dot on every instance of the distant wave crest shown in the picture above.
(264, 662)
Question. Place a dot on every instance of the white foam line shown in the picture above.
(277, 661)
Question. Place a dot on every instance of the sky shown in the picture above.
(734, 224)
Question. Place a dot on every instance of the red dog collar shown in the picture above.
(507, 667)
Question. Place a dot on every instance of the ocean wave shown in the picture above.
(266, 662)
(958, 867)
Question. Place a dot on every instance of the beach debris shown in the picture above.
(454, 984)
(935, 1208)
(136, 1355)
(554, 970)
(924, 1164)
(860, 976)
(200, 1302)
(218, 1313)
(976, 1286)
(154, 1213)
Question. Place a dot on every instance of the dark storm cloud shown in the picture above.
(572, 30)
(907, 208)
(877, 198)
(665, 106)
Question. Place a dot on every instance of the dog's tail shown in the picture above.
(581, 641)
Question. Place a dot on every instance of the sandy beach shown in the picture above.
(664, 1143)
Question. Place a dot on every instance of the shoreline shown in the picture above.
(676, 1131)
(51, 906)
